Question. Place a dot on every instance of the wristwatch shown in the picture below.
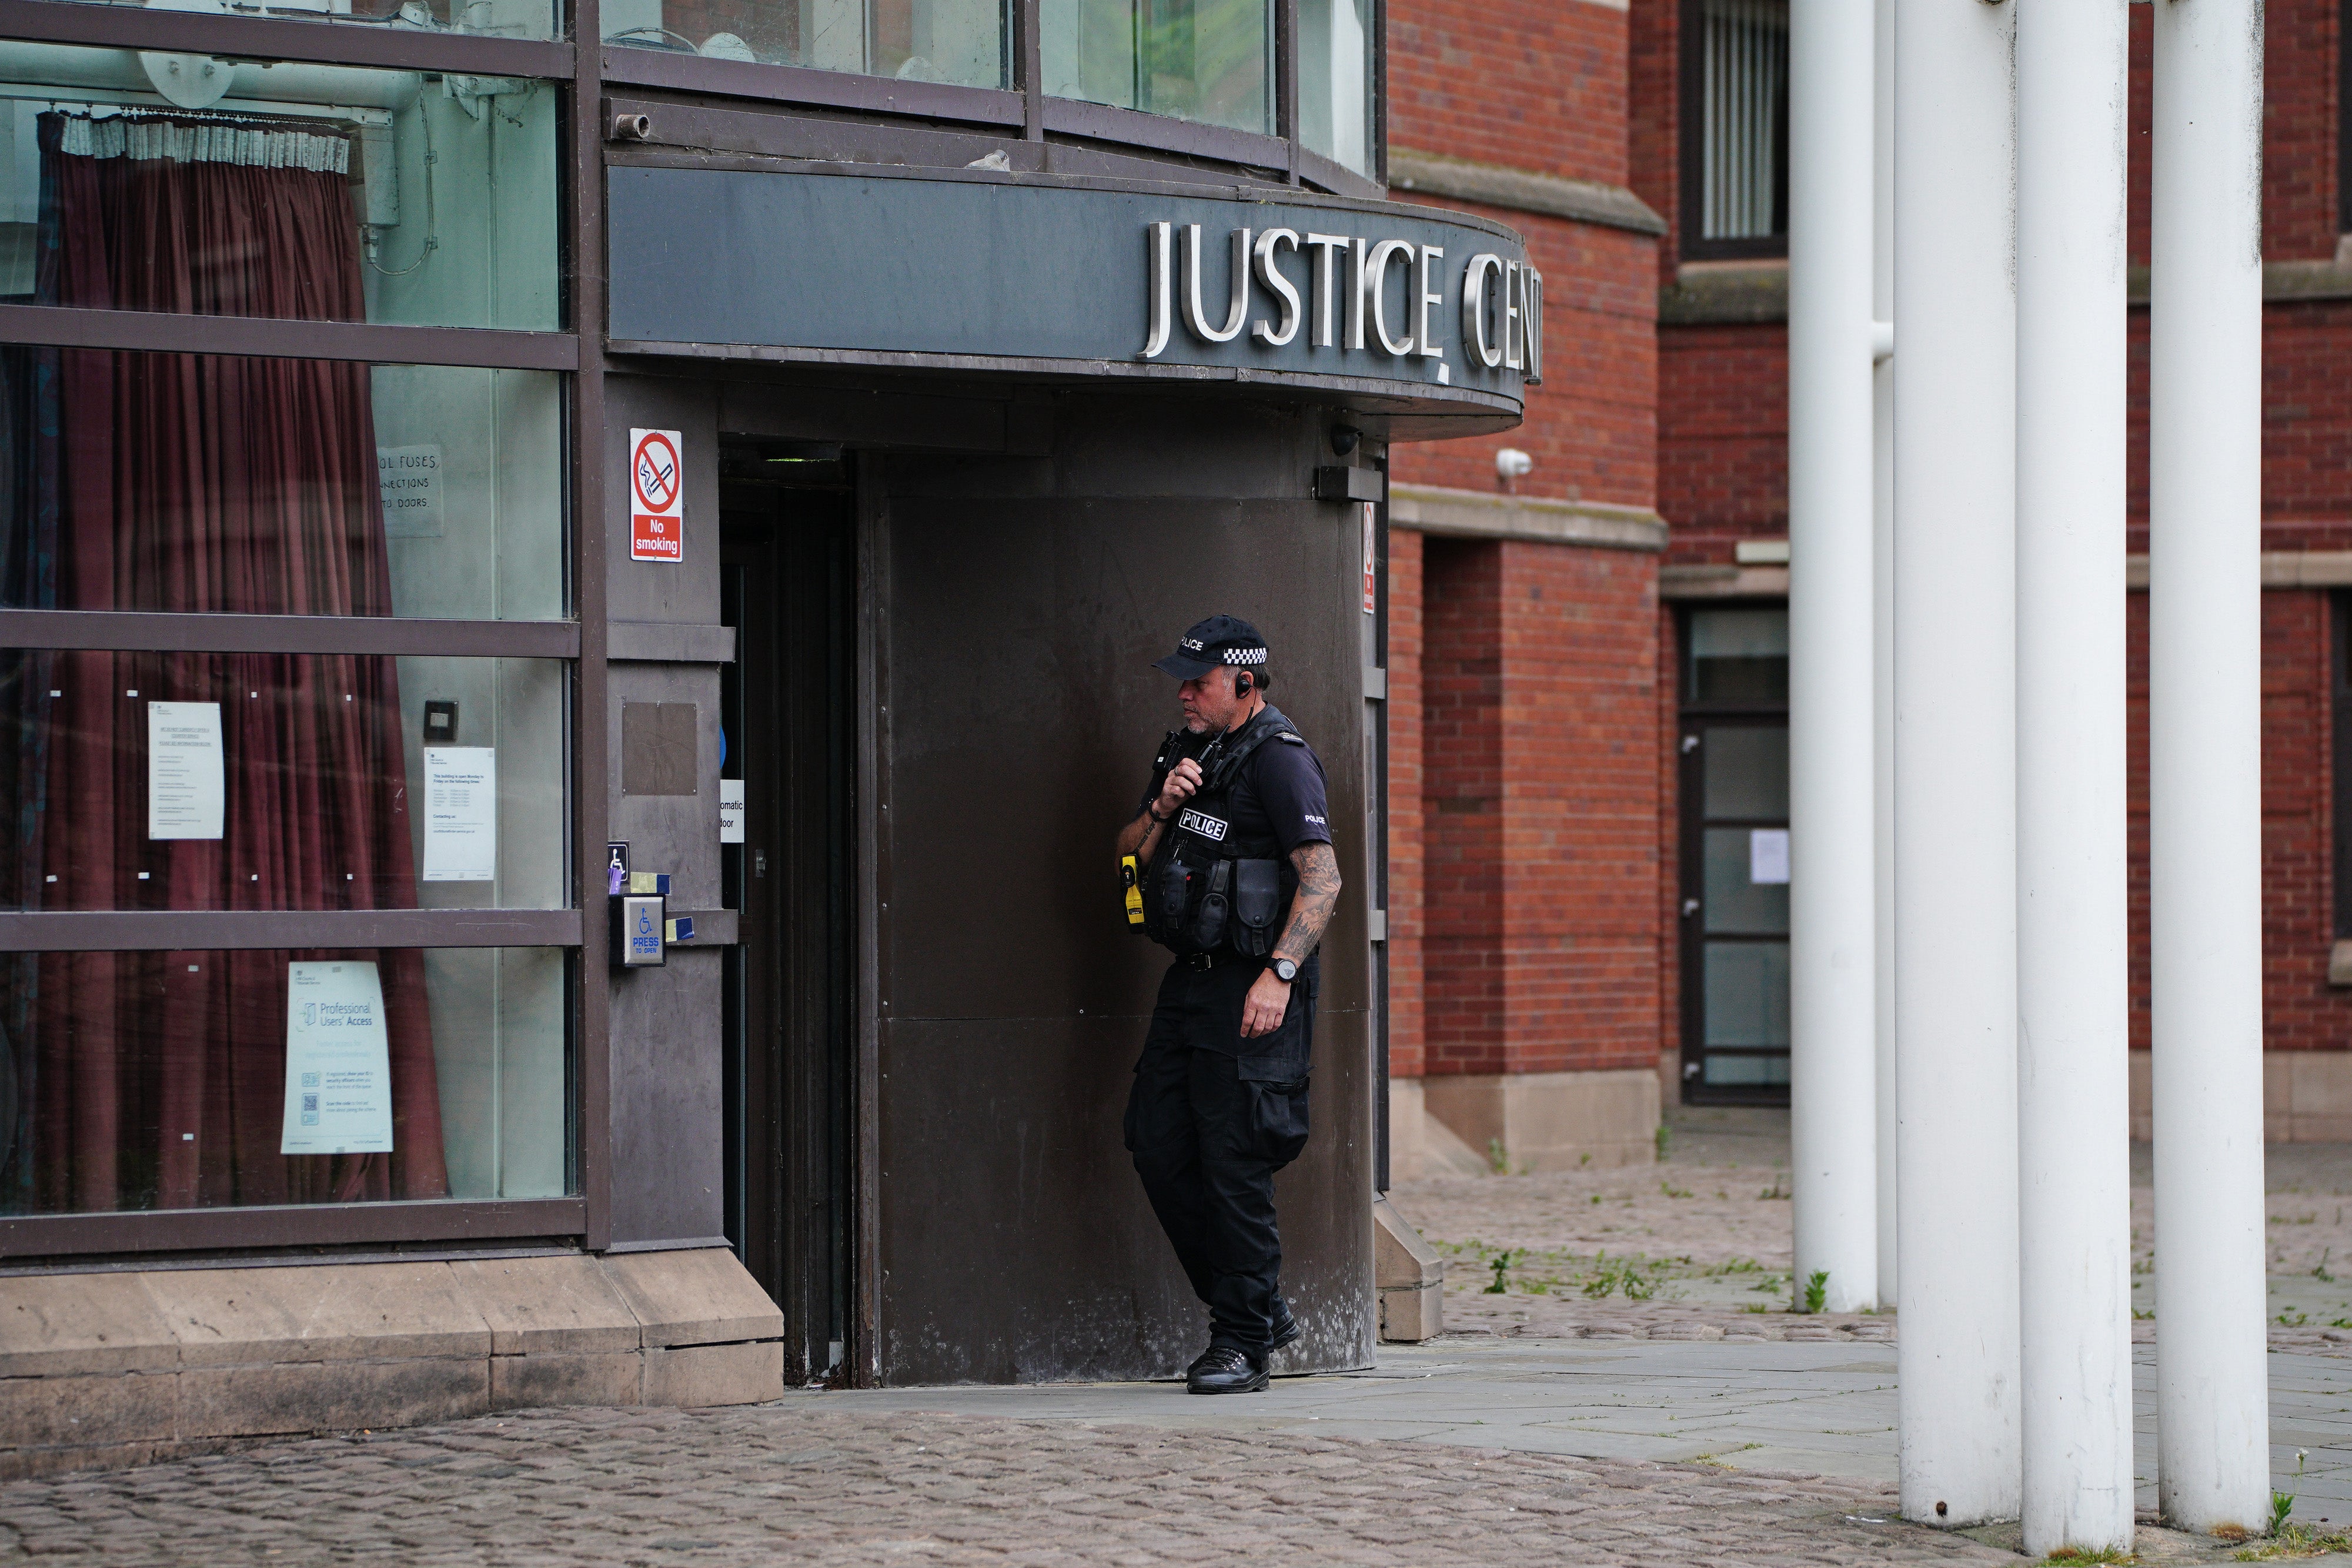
(1285, 970)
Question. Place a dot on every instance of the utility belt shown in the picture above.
(1228, 906)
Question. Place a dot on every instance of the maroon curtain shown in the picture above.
(187, 482)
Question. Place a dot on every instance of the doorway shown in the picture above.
(787, 584)
(1734, 791)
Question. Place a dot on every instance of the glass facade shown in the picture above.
(315, 193)
(204, 1079)
(214, 483)
(962, 43)
(1334, 81)
(195, 781)
(463, 18)
(1205, 60)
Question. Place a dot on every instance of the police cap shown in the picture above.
(1219, 639)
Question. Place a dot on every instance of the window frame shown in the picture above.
(582, 1218)
(1690, 95)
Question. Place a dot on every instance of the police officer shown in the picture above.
(1239, 881)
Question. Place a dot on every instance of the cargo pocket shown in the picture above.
(1275, 1084)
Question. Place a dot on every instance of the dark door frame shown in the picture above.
(1691, 717)
(788, 705)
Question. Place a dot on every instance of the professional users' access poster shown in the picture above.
(338, 1063)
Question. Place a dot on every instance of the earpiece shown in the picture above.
(1244, 685)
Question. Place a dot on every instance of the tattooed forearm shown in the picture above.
(1310, 909)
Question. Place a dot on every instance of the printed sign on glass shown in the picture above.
(338, 1066)
(656, 497)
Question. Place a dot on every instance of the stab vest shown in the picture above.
(1212, 888)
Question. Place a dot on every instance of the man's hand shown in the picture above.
(1184, 780)
(1269, 999)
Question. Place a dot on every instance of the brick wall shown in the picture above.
(1529, 84)
(1723, 437)
(1406, 837)
(1591, 427)
(1654, 117)
(1539, 779)
(1462, 785)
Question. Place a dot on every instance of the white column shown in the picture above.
(1955, 761)
(2205, 761)
(1834, 1104)
(2074, 1119)
(1881, 538)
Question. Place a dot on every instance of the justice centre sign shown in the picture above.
(1414, 301)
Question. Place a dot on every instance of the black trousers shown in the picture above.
(1210, 1121)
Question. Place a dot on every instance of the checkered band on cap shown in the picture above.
(1244, 655)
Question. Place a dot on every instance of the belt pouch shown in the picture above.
(1209, 926)
(1171, 887)
(1258, 894)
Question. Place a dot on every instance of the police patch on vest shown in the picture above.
(1207, 826)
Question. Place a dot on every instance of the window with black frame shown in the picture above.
(1734, 156)
(1734, 784)
(962, 43)
(306, 762)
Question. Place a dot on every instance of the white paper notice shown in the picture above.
(338, 1066)
(186, 792)
(461, 813)
(731, 811)
(409, 480)
(1768, 856)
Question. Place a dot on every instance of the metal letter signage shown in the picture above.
(1433, 312)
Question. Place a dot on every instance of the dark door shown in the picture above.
(787, 580)
(1734, 855)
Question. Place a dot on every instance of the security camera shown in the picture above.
(1511, 463)
(1344, 438)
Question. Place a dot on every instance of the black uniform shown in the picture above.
(1213, 1116)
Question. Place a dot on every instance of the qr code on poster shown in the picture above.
(310, 1109)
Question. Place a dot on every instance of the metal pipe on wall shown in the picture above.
(1882, 543)
(2205, 761)
(1834, 1104)
(1955, 762)
(2073, 1107)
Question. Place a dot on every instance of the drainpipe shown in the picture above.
(2205, 761)
(1882, 568)
(1955, 761)
(2074, 1112)
(1833, 1101)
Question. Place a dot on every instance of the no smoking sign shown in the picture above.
(656, 497)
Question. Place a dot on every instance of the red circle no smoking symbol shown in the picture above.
(653, 471)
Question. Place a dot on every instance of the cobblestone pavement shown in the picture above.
(1696, 1247)
(809, 1481)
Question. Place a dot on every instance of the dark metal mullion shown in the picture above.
(292, 1225)
(283, 38)
(1285, 81)
(167, 332)
(141, 632)
(1029, 60)
(266, 930)
(590, 814)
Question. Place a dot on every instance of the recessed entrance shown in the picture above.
(787, 579)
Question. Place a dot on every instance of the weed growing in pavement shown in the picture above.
(1670, 1190)
(2295, 1541)
(2319, 1270)
(1771, 1285)
(1502, 1262)
(2293, 1320)
(2339, 1322)
(2142, 1316)
(1778, 1189)
(1817, 1290)
(1737, 1266)
(2090, 1554)
(1756, 1307)
(1665, 1139)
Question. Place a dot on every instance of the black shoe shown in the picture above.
(1286, 1330)
(1225, 1370)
